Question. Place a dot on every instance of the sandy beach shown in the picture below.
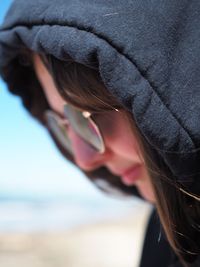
(108, 243)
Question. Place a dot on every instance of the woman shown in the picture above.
(116, 84)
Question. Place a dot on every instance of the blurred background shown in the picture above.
(50, 215)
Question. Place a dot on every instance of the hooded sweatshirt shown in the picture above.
(148, 54)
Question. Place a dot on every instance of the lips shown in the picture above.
(131, 175)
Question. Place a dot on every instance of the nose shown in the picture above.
(85, 156)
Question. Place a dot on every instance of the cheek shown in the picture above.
(145, 187)
(123, 143)
(119, 137)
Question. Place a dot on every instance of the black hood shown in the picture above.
(148, 53)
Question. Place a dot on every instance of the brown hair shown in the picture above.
(82, 86)
(178, 212)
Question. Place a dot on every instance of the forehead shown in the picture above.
(54, 99)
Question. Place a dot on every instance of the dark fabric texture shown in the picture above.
(156, 249)
(148, 56)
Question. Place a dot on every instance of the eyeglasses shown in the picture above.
(81, 122)
(85, 126)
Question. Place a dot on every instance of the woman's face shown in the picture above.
(122, 155)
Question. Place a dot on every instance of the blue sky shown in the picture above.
(29, 162)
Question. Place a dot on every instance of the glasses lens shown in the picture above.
(58, 128)
(85, 127)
